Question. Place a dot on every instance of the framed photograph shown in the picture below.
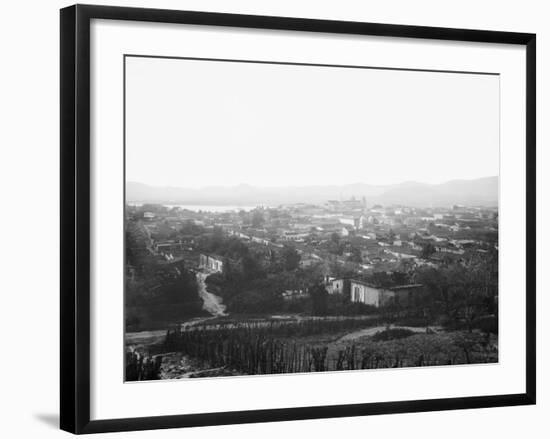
(273, 218)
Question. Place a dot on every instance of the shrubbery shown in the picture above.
(487, 324)
(392, 334)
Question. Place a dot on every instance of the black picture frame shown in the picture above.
(75, 217)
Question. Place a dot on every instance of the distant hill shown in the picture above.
(482, 191)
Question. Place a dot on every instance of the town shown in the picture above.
(410, 267)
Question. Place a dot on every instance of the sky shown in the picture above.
(197, 123)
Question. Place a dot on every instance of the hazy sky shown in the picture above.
(201, 123)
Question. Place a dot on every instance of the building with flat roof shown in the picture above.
(376, 296)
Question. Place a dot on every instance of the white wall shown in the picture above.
(29, 221)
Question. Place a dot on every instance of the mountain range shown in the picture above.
(481, 191)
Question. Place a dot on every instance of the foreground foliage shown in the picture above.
(290, 348)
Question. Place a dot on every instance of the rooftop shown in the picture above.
(397, 287)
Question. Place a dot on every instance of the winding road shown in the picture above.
(212, 303)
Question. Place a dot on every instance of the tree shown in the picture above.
(355, 255)
(290, 257)
(335, 247)
(236, 249)
(251, 268)
(257, 218)
(319, 299)
(468, 292)
(458, 292)
(217, 235)
(428, 249)
(400, 277)
(382, 279)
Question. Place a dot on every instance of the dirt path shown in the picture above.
(211, 303)
(337, 345)
(144, 338)
(371, 331)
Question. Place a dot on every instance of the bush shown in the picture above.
(415, 322)
(392, 334)
(299, 305)
(253, 302)
(153, 316)
(486, 324)
(338, 304)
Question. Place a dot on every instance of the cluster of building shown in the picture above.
(338, 236)
(375, 235)
(375, 295)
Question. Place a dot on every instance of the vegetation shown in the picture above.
(428, 249)
(266, 348)
(290, 257)
(453, 319)
(355, 255)
(141, 368)
(157, 292)
(392, 334)
(461, 294)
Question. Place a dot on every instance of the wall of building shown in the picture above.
(336, 286)
(211, 263)
(367, 295)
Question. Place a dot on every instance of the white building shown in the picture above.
(335, 285)
(347, 220)
(293, 236)
(363, 292)
(211, 262)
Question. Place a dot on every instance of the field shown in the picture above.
(271, 346)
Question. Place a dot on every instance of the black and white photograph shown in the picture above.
(275, 219)
(286, 218)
